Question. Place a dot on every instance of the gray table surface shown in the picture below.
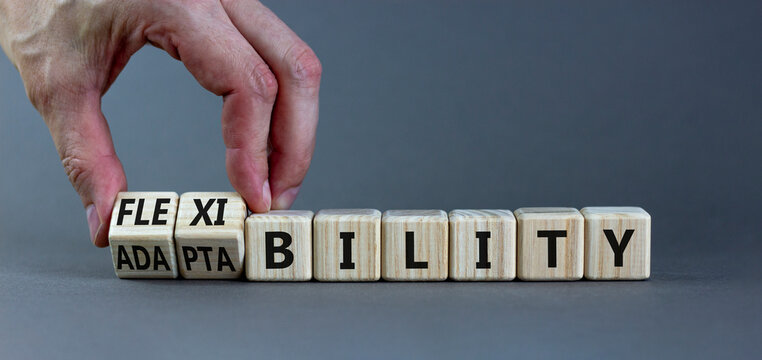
(430, 105)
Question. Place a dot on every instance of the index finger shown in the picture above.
(295, 116)
(224, 63)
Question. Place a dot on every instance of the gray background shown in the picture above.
(430, 105)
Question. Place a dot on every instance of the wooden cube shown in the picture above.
(279, 246)
(617, 243)
(550, 244)
(482, 245)
(347, 245)
(414, 244)
(141, 235)
(209, 235)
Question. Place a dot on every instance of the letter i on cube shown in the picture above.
(347, 245)
(482, 245)
(209, 235)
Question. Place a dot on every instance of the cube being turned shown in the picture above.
(617, 243)
(414, 245)
(141, 235)
(279, 246)
(550, 244)
(347, 245)
(482, 245)
(209, 235)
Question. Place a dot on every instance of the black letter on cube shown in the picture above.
(483, 236)
(551, 235)
(617, 246)
(346, 262)
(271, 249)
(410, 262)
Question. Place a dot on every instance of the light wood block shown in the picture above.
(279, 246)
(141, 235)
(617, 243)
(482, 245)
(347, 245)
(550, 244)
(414, 244)
(209, 235)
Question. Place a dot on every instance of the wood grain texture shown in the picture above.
(206, 247)
(533, 260)
(298, 225)
(600, 262)
(328, 246)
(430, 234)
(141, 238)
(465, 246)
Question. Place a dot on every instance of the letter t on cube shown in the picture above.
(550, 244)
(279, 246)
(209, 235)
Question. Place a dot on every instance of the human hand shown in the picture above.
(69, 52)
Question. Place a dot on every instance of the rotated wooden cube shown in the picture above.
(209, 235)
(482, 245)
(617, 243)
(279, 246)
(414, 245)
(550, 243)
(141, 235)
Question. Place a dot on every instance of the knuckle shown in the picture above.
(297, 171)
(264, 83)
(39, 96)
(48, 91)
(77, 169)
(298, 163)
(304, 66)
(227, 3)
(40, 91)
(204, 5)
(302, 164)
(86, 170)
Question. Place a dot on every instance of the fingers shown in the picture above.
(295, 117)
(224, 63)
(84, 143)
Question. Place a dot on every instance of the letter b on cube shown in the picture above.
(279, 246)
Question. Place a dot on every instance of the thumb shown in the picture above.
(83, 141)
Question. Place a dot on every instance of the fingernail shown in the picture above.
(92, 221)
(266, 195)
(286, 199)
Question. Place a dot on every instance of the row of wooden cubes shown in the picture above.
(208, 235)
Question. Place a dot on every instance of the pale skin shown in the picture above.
(69, 52)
